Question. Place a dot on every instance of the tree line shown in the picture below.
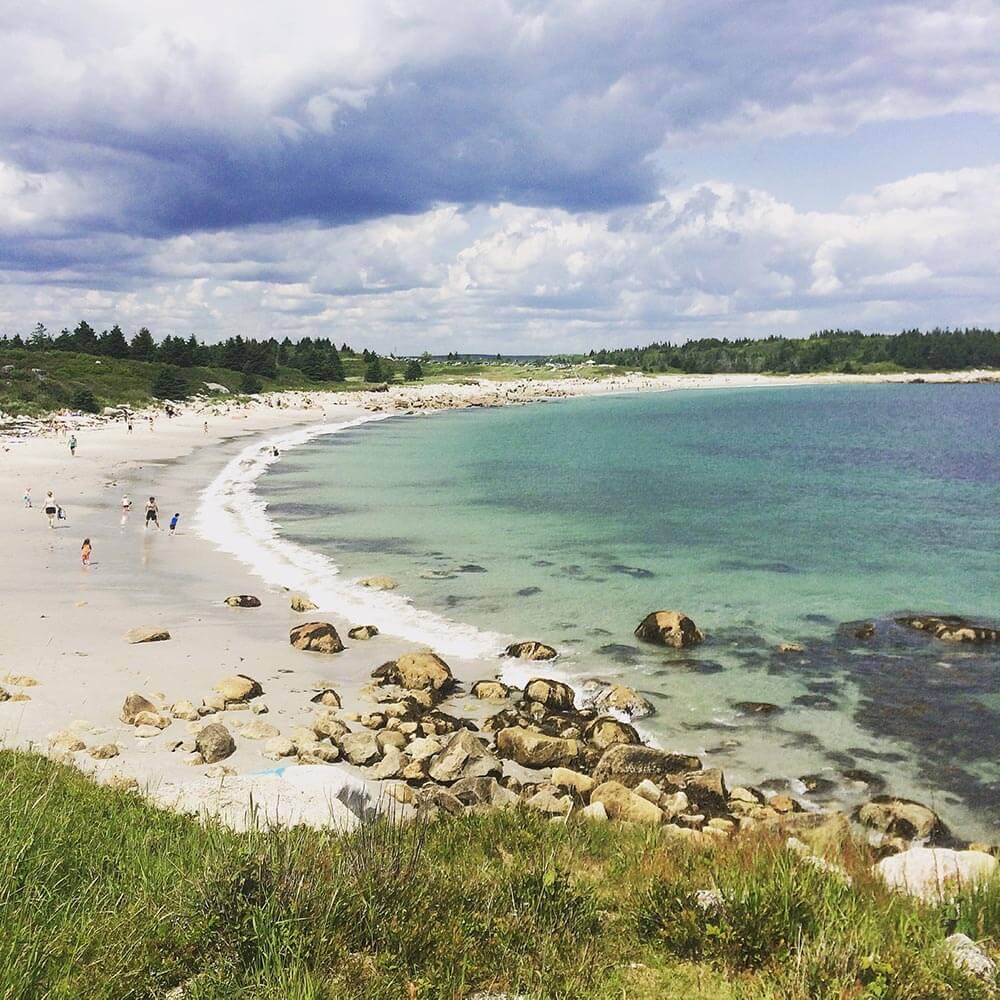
(317, 359)
(826, 350)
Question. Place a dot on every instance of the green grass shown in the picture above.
(102, 896)
(42, 381)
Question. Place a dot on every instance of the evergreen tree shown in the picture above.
(413, 371)
(143, 347)
(373, 370)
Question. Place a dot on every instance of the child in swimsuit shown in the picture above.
(85, 551)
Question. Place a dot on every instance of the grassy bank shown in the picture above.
(36, 382)
(103, 897)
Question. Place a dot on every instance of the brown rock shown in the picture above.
(951, 628)
(490, 690)
(669, 628)
(553, 695)
(629, 765)
(619, 698)
(134, 704)
(327, 697)
(301, 603)
(184, 710)
(416, 671)
(464, 756)
(606, 731)
(156, 719)
(238, 687)
(624, 805)
(214, 742)
(316, 637)
(142, 634)
(707, 791)
(536, 750)
(531, 650)
(902, 818)
(243, 601)
(362, 632)
(104, 752)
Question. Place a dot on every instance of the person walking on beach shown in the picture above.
(126, 508)
(85, 551)
(173, 523)
(72, 445)
(152, 513)
(128, 425)
(51, 508)
(27, 497)
(204, 426)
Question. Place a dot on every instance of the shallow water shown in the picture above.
(767, 515)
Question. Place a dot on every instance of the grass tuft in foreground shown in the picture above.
(102, 896)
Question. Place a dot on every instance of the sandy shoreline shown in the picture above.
(62, 624)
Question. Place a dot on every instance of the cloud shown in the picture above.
(174, 116)
(712, 259)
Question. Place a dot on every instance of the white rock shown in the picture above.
(595, 811)
(934, 874)
(969, 957)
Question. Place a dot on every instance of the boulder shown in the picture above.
(238, 687)
(483, 792)
(104, 752)
(707, 791)
(279, 746)
(546, 801)
(145, 634)
(596, 812)
(378, 583)
(156, 719)
(134, 704)
(619, 698)
(214, 742)
(316, 637)
(950, 628)
(970, 958)
(416, 671)
(327, 697)
(184, 710)
(530, 650)
(553, 695)
(606, 731)
(423, 748)
(535, 749)
(464, 756)
(581, 784)
(391, 738)
(243, 601)
(301, 603)
(668, 628)
(258, 729)
(623, 804)
(630, 764)
(327, 725)
(434, 800)
(360, 748)
(361, 632)
(490, 690)
(390, 766)
(438, 723)
(935, 874)
(904, 818)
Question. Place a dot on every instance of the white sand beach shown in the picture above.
(64, 660)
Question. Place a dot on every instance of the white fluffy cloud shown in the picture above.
(708, 260)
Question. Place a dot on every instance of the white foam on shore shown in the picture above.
(234, 518)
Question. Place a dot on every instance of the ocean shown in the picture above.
(768, 515)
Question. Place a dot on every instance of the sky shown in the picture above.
(517, 177)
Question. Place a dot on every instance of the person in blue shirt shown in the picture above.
(173, 523)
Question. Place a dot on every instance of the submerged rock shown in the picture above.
(378, 583)
(669, 628)
(316, 637)
(950, 628)
(619, 698)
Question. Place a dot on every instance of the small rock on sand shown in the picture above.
(145, 634)
(361, 632)
(134, 704)
(104, 752)
(316, 637)
(238, 687)
(243, 601)
(215, 742)
(300, 602)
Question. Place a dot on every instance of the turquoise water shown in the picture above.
(767, 515)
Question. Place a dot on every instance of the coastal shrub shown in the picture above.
(170, 383)
(413, 371)
(84, 401)
(251, 384)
